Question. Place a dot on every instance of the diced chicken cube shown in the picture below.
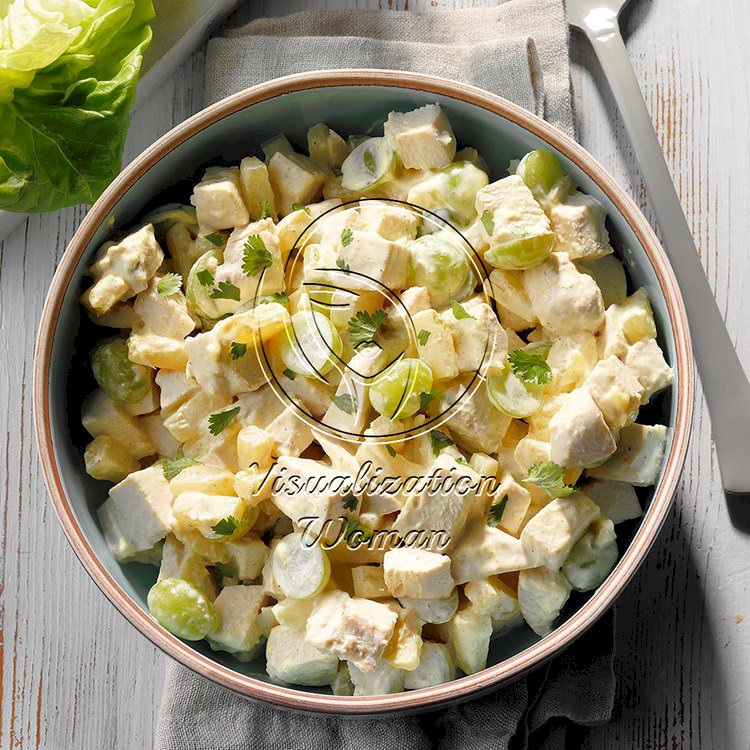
(578, 222)
(137, 514)
(369, 582)
(295, 179)
(188, 421)
(218, 200)
(164, 441)
(391, 222)
(639, 455)
(517, 504)
(379, 260)
(165, 316)
(551, 533)
(175, 387)
(616, 391)
(202, 512)
(437, 350)
(417, 573)
(291, 435)
(579, 435)
(646, 361)
(238, 632)
(542, 594)
(616, 500)
(357, 630)
(436, 667)
(506, 287)
(249, 555)
(480, 342)
(565, 300)
(290, 658)
(179, 561)
(422, 138)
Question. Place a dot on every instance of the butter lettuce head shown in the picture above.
(68, 76)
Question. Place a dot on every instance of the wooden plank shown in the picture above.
(73, 673)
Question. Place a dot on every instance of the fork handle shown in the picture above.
(725, 384)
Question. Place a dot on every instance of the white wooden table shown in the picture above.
(74, 674)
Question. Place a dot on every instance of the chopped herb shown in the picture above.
(422, 337)
(461, 460)
(426, 398)
(225, 290)
(238, 350)
(351, 501)
(530, 367)
(549, 476)
(351, 526)
(496, 511)
(255, 256)
(226, 570)
(299, 207)
(346, 402)
(289, 374)
(281, 297)
(344, 266)
(169, 284)
(346, 237)
(217, 423)
(227, 526)
(391, 451)
(265, 211)
(217, 239)
(439, 441)
(363, 327)
(205, 277)
(173, 468)
(458, 312)
(369, 161)
(488, 222)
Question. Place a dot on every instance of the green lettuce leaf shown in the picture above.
(68, 79)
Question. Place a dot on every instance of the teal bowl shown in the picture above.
(350, 101)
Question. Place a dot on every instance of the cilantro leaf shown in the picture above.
(496, 511)
(289, 374)
(530, 367)
(422, 337)
(369, 161)
(205, 277)
(226, 570)
(426, 398)
(227, 526)
(255, 256)
(351, 501)
(238, 350)
(172, 468)
(488, 222)
(343, 265)
(391, 451)
(458, 312)
(216, 239)
(461, 460)
(549, 476)
(225, 290)
(169, 284)
(363, 327)
(299, 207)
(346, 402)
(346, 237)
(217, 423)
(281, 297)
(439, 440)
(265, 211)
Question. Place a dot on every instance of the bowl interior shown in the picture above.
(349, 110)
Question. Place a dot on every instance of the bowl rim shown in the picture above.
(464, 687)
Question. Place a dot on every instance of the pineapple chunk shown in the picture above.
(107, 459)
(256, 189)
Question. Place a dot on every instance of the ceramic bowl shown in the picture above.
(353, 101)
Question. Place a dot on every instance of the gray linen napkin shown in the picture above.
(523, 56)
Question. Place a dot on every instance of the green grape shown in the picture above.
(370, 164)
(121, 379)
(182, 609)
(522, 253)
(592, 558)
(311, 344)
(198, 293)
(300, 567)
(462, 181)
(513, 396)
(395, 393)
(541, 170)
(441, 267)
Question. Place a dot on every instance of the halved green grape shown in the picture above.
(370, 164)
(395, 393)
(542, 171)
(182, 609)
(172, 213)
(200, 283)
(310, 345)
(300, 567)
(441, 267)
(121, 379)
(435, 611)
(522, 253)
(593, 556)
(513, 396)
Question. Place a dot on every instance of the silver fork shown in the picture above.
(725, 383)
